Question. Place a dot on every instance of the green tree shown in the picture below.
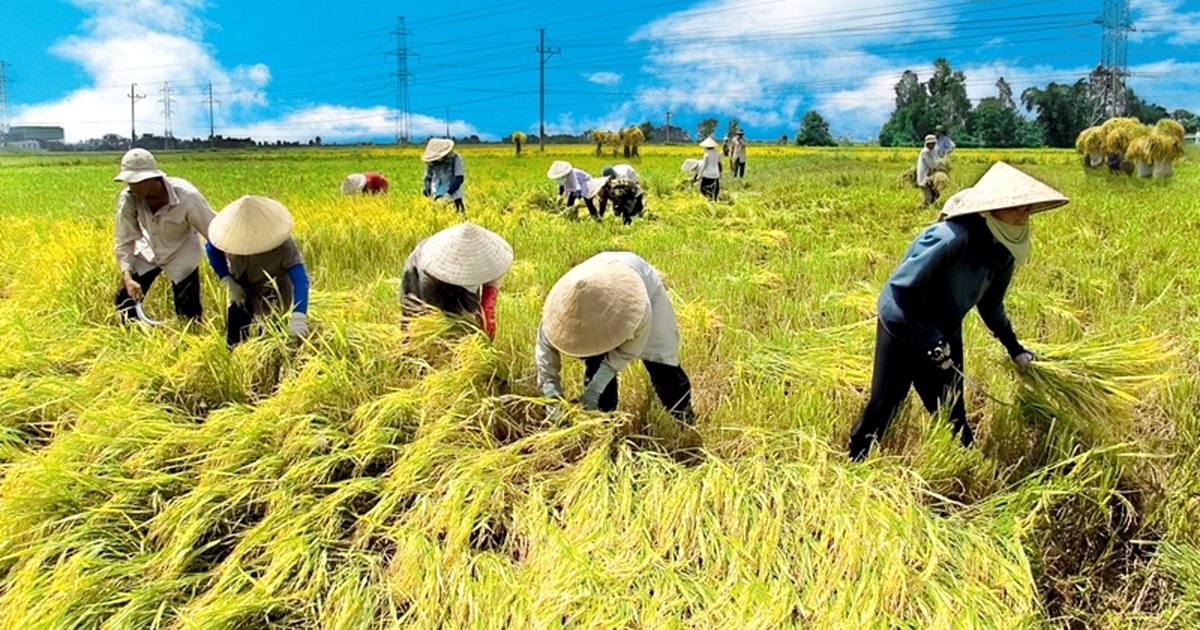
(706, 128)
(814, 131)
(995, 122)
(1062, 110)
(948, 102)
(647, 130)
(1147, 113)
(911, 115)
(1190, 122)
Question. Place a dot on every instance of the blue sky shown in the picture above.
(298, 69)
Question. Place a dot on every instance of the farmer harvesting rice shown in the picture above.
(710, 170)
(573, 184)
(160, 221)
(926, 163)
(443, 172)
(944, 144)
(625, 194)
(691, 166)
(254, 255)
(737, 154)
(621, 171)
(609, 310)
(364, 183)
(962, 262)
(457, 270)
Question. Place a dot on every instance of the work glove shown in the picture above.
(591, 394)
(550, 389)
(940, 355)
(234, 291)
(1023, 360)
(298, 326)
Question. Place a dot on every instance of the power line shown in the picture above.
(1114, 58)
(134, 97)
(543, 54)
(403, 125)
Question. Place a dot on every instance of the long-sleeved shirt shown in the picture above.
(952, 267)
(926, 162)
(444, 177)
(625, 195)
(168, 238)
(574, 183)
(450, 298)
(625, 171)
(710, 166)
(944, 146)
(737, 149)
(277, 272)
(656, 337)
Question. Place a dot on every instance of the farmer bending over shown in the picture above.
(364, 183)
(625, 194)
(160, 221)
(258, 262)
(444, 172)
(573, 184)
(964, 261)
(926, 163)
(621, 171)
(710, 170)
(457, 270)
(609, 310)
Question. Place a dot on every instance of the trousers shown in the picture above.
(900, 365)
(670, 383)
(186, 294)
(738, 167)
(710, 187)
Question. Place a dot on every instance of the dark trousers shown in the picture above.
(898, 366)
(629, 210)
(739, 168)
(710, 187)
(238, 318)
(670, 383)
(187, 294)
(460, 206)
(592, 210)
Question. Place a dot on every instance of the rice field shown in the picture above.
(407, 475)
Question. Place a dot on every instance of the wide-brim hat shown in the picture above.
(1002, 188)
(709, 143)
(466, 255)
(354, 184)
(138, 165)
(437, 149)
(930, 139)
(595, 185)
(559, 169)
(690, 165)
(594, 307)
(251, 225)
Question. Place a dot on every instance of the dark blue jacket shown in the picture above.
(952, 267)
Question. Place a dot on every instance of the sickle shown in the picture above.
(141, 315)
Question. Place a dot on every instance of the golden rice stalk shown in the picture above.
(1138, 150)
(1090, 140)
(1171, 128)
(519, 137)
(1163, 147)
(940, 180)
(1118, 137)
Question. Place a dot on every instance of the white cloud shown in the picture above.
(336, 123)
(1156, 18)
(605, 78)
(570, 124)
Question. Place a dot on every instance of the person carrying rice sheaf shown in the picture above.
(625, 195)
(258, 262)
(737, 154)
(609, 310)
(159, 223)
(927, 163)
(458, 270)
(444, 172)
(964, 261)
(710, 170)
(573, 184)
(364, 183)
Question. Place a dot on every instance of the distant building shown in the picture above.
(42, 137)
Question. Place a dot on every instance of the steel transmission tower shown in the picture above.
(211, 123)
(3, 99)
(1114, 58)
(402, 74)
(166, 100)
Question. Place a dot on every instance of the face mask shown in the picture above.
(1013, 237)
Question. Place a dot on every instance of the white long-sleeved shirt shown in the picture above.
(926, 162)
(169, 238)
(944, 146)
(655, 339)
(710, 166)
(625, 171)
(576, 181)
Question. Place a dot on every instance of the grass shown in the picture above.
(386, 475)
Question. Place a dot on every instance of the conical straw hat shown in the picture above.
(595, 185)
(1004, 187)
(251, 225)
(594, 307)
(437, 149)
(559, 169)
(354, 184)
(690, 165)
(709, 143)
(466, 255)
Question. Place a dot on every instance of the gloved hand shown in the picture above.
(234, 291)
(550, 389)
(298, 326)
(940, 355)
(1023, 360)
(591, 394)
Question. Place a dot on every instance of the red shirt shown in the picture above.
(376, 184)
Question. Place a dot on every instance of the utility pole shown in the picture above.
(447, 121)
(166, 100)
(3, 100)
(543, 54)
(668, 127)
(211, 124)
(1114, 54)
(134, 97)
(403, 126)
